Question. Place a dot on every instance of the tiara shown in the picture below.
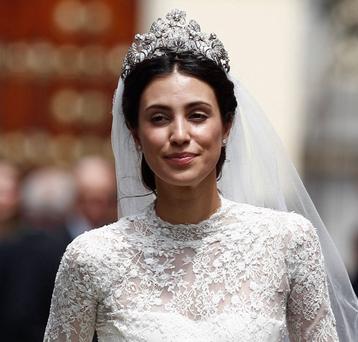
(172, 33)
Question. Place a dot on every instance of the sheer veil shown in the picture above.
(258, 172)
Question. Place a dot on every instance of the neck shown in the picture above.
(177, 204)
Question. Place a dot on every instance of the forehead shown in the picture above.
(176, 89)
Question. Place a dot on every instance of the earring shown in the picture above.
(224, 142)
(139, 148)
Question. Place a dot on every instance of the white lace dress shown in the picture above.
(244, 274)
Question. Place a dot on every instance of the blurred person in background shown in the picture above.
(29, 262)
(9, 199)
(95, 203)
(56, 206)
(47, 198)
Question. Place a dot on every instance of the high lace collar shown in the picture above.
(188, 231)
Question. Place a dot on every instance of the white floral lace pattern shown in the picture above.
(244, 274)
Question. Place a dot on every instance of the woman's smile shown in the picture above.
(183, 159)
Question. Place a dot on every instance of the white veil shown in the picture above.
(257, 171)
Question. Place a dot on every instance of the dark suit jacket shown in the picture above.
(28, 266)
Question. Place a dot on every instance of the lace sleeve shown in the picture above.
(73, 306)
(309, 313)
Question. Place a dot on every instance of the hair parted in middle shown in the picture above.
(187, 64)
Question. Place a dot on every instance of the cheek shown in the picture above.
(209, 137)
(152, 140)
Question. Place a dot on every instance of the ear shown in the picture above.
(227, 128)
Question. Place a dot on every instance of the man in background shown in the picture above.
(95, 203)
(30, 258)
(56, 206)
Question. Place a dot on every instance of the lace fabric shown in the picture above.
(245, 274)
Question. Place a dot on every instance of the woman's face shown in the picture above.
(180, 130)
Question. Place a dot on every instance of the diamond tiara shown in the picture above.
(172, 33)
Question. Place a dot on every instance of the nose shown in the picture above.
(180, 132)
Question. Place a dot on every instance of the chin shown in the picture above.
(186, 179)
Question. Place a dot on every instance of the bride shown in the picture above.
(202, 252)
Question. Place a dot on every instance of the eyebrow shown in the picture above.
(187, 106)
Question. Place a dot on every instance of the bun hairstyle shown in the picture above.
(188, 64)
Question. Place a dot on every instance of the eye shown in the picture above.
(198, 116)
(159, 119)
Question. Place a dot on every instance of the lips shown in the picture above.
(180, 159)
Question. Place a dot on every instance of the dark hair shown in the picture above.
(201, 68)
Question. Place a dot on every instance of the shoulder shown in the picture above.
(101, 242)
(100, 257)
(267, 221)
